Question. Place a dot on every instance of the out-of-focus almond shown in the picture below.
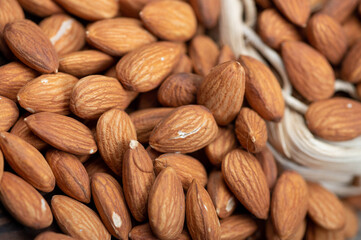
(9, 113)
(144, 232)
(52, 236)
(299, 233)
(225, 55)
(237, 227)
(148, 100)
(315, 232)
(351, 70)
(207, 11)
(352, 30)
(297, 11)
(352, 222)
(268, 165)
(1, 165)
(339, 10)
(41, 8)
(184, 65)
(264, 3)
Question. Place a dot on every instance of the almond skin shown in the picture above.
(9, 113)
(96, 165)
(269, 166)
(207, 11)
(146, 67)
(245, 178)
(170, 20)
(222, 91)
(166, 205)
(52, 236)
(351, 70)
(186, 129)
(352, 222)
(327, 35)
(13, 76)
(62, 132)
(237, 227)
(24, 203)
(184, 65)
(335, 119)
(226, 55)
(29, 44)
(41, 8)
(78, 220)
(202, 219)
(138, 177)
(70, 174)
(27, 161)
(309, 71)
(297, 11)
(263, 91)
(339, 10)
(1, 165)
(118, 36)
(315, 232)
(114, 132)
(144, 232)
(65, 33)
(298, 235)
(352, 30)
(325, 208)
(109, 200)
(186, 167)
(47, 93)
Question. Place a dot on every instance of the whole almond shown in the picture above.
(70, 174)
(9, 113)
(335, 119)
(62, 132)
(269, 166)
(13, 76)
(114, 132)
(78, 220)
(274, 29)
(146, 67)
(351, 70)
(352, 30)
(309, 71)
(96, 94)
(186, 167)
(41, 8)
(186, 129)
(251, 130)
(325, 208)
(352, 222)
(315, 232)
(24, 203)
(202, 219)
(65, 33)
(29, 44)
(52, 236)
(109, 200)
(138, 177)
(207, 11)
(47, 93)
(297, 11)
(225, 55)
(237, 227)
(27, 161)
(244, 176)
(339, 10)
(263, 91)
(222, 91)
(184, 65)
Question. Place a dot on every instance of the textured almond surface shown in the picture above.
(269, 166)
(207, 11)
(41, 8)
(339, 10)
(351, 70)
(9, 113)
(297, 11)
(52, 236)
(237, 227)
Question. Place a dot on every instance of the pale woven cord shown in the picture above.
(334, 164)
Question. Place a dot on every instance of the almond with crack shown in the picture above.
(9, 113)
(237, 227)
(297, 11)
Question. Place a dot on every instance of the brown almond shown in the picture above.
(245, 178)
(96, 165)
(148, 100)
(264, 3)
(110, 203)
(9, 113)
(354, 201)
(308, 70)
(27, 161)
(352, 222)
(351, 70)
(269, 166)
(1, 165)
(41, 8)
(24, 203)
(352, 30)
(186, 129)
(339, 10)
(131, 8)
(237, 227)
(297, 11)
(299, 233)
(146, 67)
(62, 132)
(184, 65)
(207, 11)
(144, 232)
(52, 236)
(29, 44)
(315, 232)
(225, 55)
(114, 132)
(153, 154)
(138, 177)
(70, 174)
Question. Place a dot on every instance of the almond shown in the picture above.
(144, 232)
(315, 232)
(351, 70)
(153, 154)
(170, 20)
(70, 174)
(114, 132)
(9, 113)
(29, 44)
(339, 10)
(352, 30)
(96, 94)
(222, 91)
(202, 219)
(263, 91)
(146, 67)
(225, 55)
(91, 10)
(297, 235)
(148, 100)
(184, 65)
(274, 29)
(27, 161)
(118, 36)
(65, 33)
(335, 119)
(109, 200)
(264, 3)
(132, 8)
(268, 165)
(186, 129)
(62, 132)
(1, 165)
(166, 205)
(47, 93)
(138, 177)
(204, 54)
(251, 130)
(41, 8)
(237, 227)
(52, 236)
(297, 11)
(207, 11)
(186, 167)
(224, 201)
(244, 176)
(354, 201)
(78, 220)
(352, 222)
(179, 89)
(96, 165)
(309, 71)
(325, 208)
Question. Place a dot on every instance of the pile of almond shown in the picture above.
(139, 125)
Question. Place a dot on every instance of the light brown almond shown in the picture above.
(207, 11)
(315, 232)
(41, 8)
(352, 222)
(9, 113)
(297, 11)
(237, 227)
(352, 30)
(339, 10)
(264, 3)
(52, 236)
(299, 233)
(269, 166)
(184, 65)
(351, 70)
(225, 55)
